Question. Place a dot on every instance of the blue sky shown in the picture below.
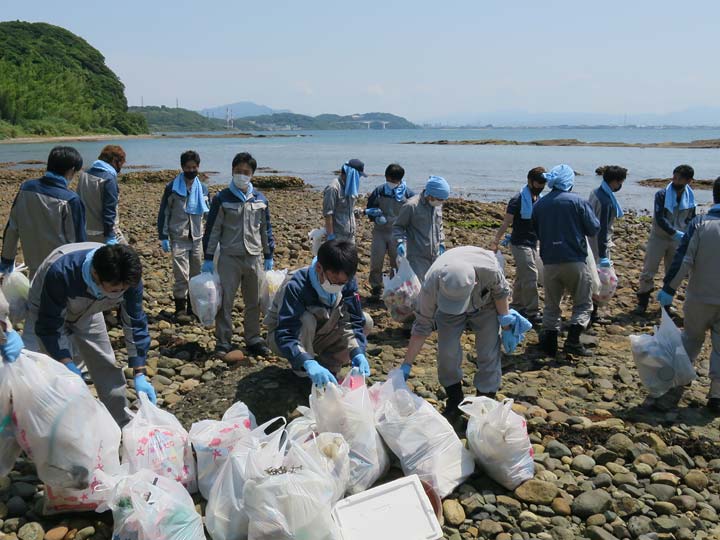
(424, 60)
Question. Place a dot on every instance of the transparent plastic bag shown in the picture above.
(608, 285)
(317, 237)
(332, 453)
(661, 359)
(213, 440)
(16, 288)
(592, 268)
(499, 440)
(401, 291)
(155, 440)
(206, 297)
(302, 428)
(421, 437)
(9, 448)
(270, 286)
(348, 410)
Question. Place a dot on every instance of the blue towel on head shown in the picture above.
(526, 203)
(687, 200)
(437, 187)
(398, 192)
(352, 181)
(607, 189)
(239, 194)
(195, 203)
(560, 177)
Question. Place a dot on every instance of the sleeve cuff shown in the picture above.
(357, 350)
(668, 289)
(299, 360)
(209, 257)
(136, 361)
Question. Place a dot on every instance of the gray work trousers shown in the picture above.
(382, 243)
(89, 343)
(420, 266)
(187, 259)
(699, 318)
(525, 287)
(450, 356)
(245, 272)
(657, 249)
(573, 278)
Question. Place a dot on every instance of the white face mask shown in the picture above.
(241, 181)
(436, 204)
(390, 185)
(330, 288)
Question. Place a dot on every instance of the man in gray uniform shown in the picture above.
(465, 286)
(418, 229)
(45, 214)
(674, 208)
(99, 192)
(699, 256)
(180, 228)
(383, 207)
(339, 201)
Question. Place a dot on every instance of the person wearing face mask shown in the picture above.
(674, 209)
(316, 320)
(180, 228)
(99, 192)
(563, 221)
(71, 289)
(239, 224)
(523, 243)
(418, 229)
(45, 214)
(383, 207)
(339, 201)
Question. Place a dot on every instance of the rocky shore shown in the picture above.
(607, 464)
(707, 143)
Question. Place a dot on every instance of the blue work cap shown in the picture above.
(437, 187)
(560, 177)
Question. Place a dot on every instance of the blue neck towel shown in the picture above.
(607, 189)
(100, 164)
(195, 203)
(352, 181)
(87, 275)
(398, 192)
(560, 177)
(239, 194)
(526, 203)
(325, 297)
(687, 200)
(57, 177)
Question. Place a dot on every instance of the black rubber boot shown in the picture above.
(491, 395)
(549, 342)
(572, 343)
(189, 307)
(181, 316)
(452, 414)
(642, 305)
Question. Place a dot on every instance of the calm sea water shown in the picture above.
(480, 172)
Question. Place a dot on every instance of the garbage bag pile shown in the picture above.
(401, 291)
(206, 296)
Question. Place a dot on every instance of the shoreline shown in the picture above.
(149, 136)
(698, 144)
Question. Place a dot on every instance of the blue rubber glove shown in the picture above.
(401, 251)
(605, 263)
(110, 241)
(207, 267)
(7, 268)
(331, 236)
(506, 240)
(373, 212)
(143, 385)
(165, 245)
(441, 249)
(318, 374)
(679, 235)
(510, 341)
(268, 265)
(72, 367)
(10, 350)
(381, 220)
(405, 368)
(664, 298)
(360, 361)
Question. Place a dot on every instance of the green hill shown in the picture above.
(170, 119)
(53, 82)
(291, 121)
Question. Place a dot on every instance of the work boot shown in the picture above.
(375, 295)
(491, 395)
(189, 307)
(181, 316)
(643, 301)
(535, 319)
(549, 342)
(572, 343)
(452, 414)
(259, 349)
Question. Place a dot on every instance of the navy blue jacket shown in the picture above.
(606, 216)
(522, 233)
(562, 221)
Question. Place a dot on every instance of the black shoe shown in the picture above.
(259, 349)
(549, 342)
(535, 320)
(713, 405)
(572, 343)
(491, 395)
(221, 351)
(181, 316)
(190, 311)
(643, 301)
(669, 400)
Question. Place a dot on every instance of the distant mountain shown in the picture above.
(241, 109)
(291, 121)
(171, 119)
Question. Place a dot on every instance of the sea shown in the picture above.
(486, 173)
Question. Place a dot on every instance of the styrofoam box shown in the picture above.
(398, 509)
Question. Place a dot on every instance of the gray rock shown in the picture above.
(591, 502)
(661, 492)
(665, 524)
(639, 525)
(602, 480)
(23, 489)
(583, 464)
(621, 444)
(598, 533)
(31, 531)
(558, 450)
(16, 507)
(453, 512)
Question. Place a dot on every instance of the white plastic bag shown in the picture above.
(608, 285)
(155, 440)
(271, 284)
(498, 439)
(332, 453)
(592, 268)
(661, 359)
(348, 410)
(213, 440)
(317, 237)
(147, 506)
(16, 288)
(9, 448)
(401, 291)
(500, 260)
(206, 296)
(302, 428)
(421, 437)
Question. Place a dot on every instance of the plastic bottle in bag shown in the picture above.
(206, 296)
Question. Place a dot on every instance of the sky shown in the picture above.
(427, 61)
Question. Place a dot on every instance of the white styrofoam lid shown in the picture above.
(398, 509)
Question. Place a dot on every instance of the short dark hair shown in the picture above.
(614, 172)
(394, 172)
(189, 155)
(536, 174)
(64, 158)
(716, 191)
(244, 157)
(684, 171)
(111, 152)
(338, 256)
(118, 263)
